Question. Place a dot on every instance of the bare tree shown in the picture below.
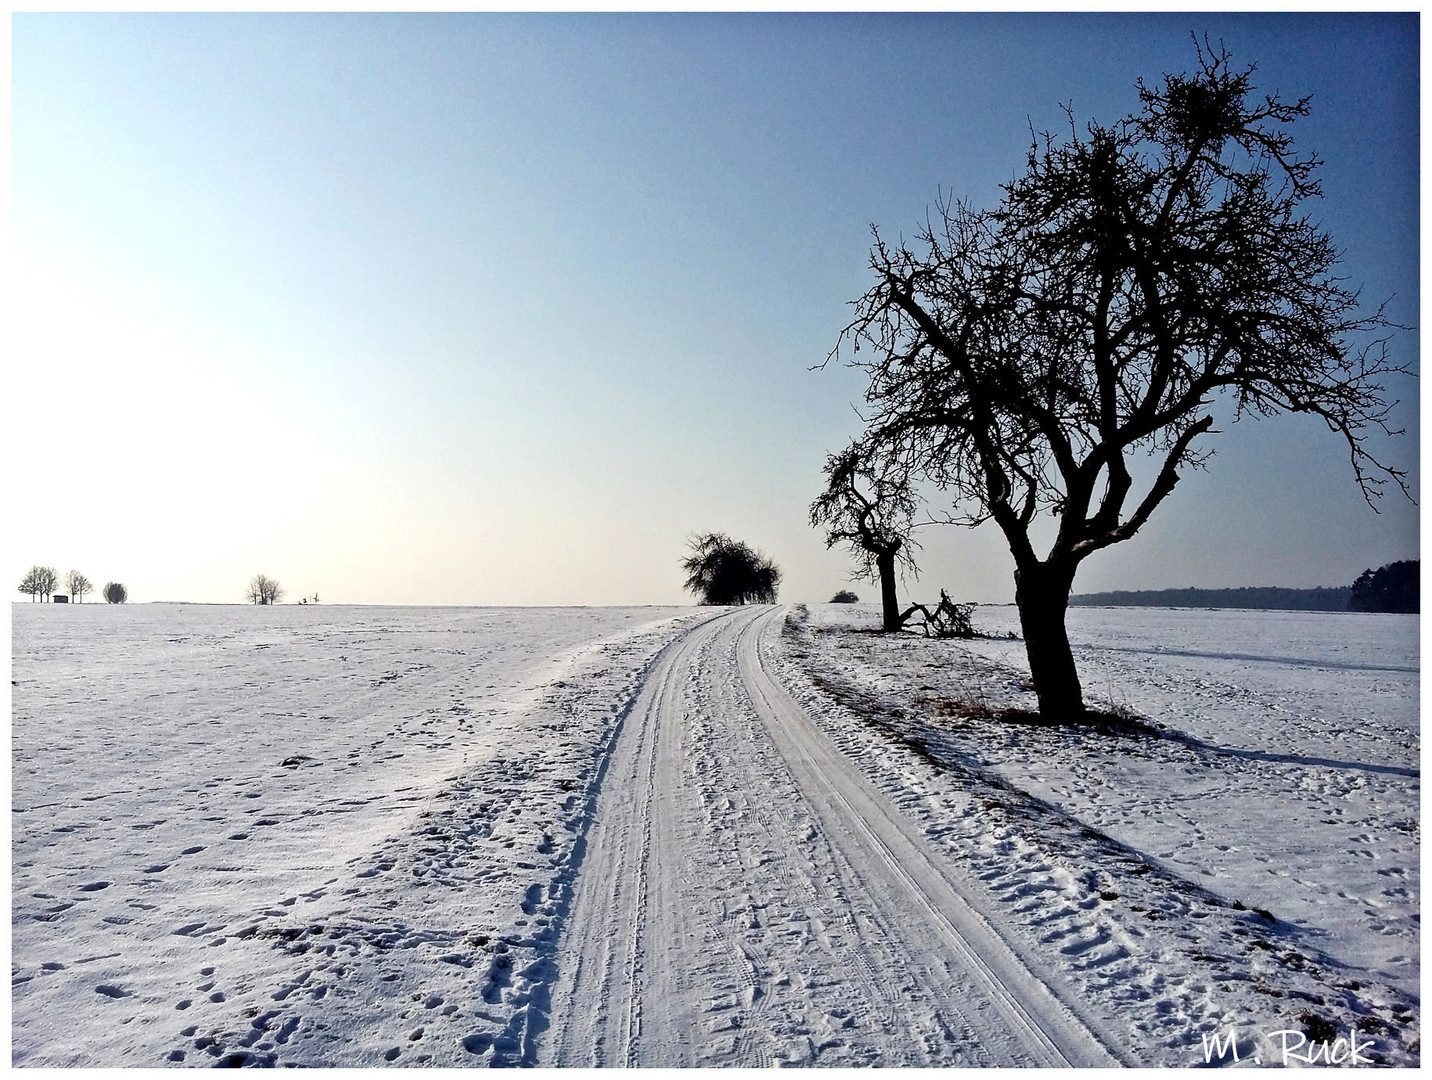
(79, 585)
(868, 503)
(32, 584)
(264, 590)
(115, 593)
(1131, 278)
(39, 582)
(725, 571)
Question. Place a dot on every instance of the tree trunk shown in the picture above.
(889, 605)
(1041, 591)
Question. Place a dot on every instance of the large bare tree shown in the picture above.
(869, 504)
(1133, 276)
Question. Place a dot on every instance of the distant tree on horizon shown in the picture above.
(114, 593)
(79, 585)
(39, 582)
(845, 596)
(869, 504)
(1392, 589)
(30, 583)
(1131, 278)
(721, 570)
(264, 590)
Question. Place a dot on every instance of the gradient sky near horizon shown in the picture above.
(500, 309)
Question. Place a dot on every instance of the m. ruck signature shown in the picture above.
(1291, 1046)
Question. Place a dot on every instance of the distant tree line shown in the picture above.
(1275, 599)
(40, 583)
(1393, 588)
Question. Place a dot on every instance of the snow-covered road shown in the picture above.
(749, 898)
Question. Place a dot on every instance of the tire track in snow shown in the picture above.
(597, 1007)
(749, 898)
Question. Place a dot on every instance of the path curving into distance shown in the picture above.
(747, 897)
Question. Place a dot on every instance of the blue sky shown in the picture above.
(498, 309)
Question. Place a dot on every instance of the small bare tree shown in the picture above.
(868, 503)
(115, 593)
(264, 590)
(79, 585)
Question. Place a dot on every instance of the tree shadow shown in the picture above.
(1125, 725)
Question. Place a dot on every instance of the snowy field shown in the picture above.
(359, 836)
(221, 812)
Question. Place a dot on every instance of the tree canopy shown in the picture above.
(1394, 588)
(721, 570)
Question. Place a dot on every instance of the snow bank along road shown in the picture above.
(609, 837)
(748, 897)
